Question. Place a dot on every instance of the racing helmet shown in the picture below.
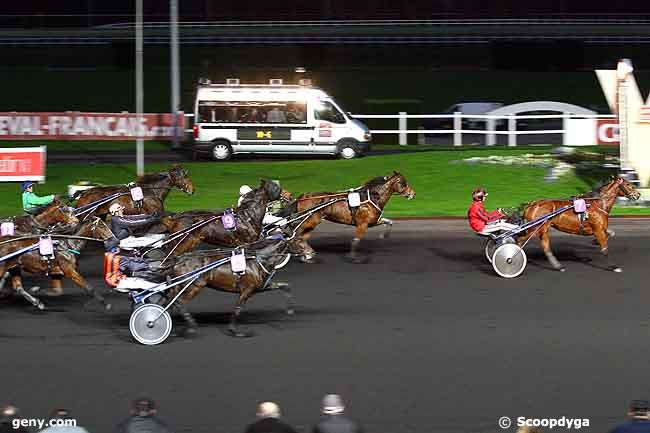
(26, 185)
(479, 194)
(244, 189)
(115, 208)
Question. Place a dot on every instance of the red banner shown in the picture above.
(89, 126)
(607, 132)
(22, 163)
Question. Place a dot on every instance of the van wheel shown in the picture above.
(221, 151)
(348, 151)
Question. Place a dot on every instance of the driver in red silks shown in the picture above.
(484, 222)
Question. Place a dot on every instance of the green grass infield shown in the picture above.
(443, 188)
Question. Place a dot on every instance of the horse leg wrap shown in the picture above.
(3, 280)
(388, 226)
(553, 261)
(189, 319)
(31, 299)
(354, 246)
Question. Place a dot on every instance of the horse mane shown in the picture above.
(151, 177)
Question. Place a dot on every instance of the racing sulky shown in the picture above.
(154, 189)
(594, 222)
(361, 207)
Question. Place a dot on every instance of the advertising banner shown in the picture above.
(22, 163)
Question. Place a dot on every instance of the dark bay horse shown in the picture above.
(374, 195)
(52, 214)
(596, 224)
(155, 188)
(64, 263)
(249, 217)
(261, 260)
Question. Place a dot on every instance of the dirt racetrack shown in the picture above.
(423, 338)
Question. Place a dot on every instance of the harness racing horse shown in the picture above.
(374, 195)
(569, 222)
(261, 260)
(63, 264)
(249, 216)
(155, 188)
(54, 213)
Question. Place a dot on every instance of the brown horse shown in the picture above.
(64, 263)
(261, 260)
(155, 188)
(54, 213)
(569, 222)
(249, 217)
(374, 195)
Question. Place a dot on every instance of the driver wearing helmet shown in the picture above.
(123, 226)
(32, 203)
(484, 222)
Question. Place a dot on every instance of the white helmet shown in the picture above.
(115, 208)
(244, 189)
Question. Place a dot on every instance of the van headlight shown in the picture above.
(367, 136)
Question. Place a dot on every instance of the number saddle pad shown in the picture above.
(45, 246)
(228, 220)
(354, 199)
(136, 194)
(579, 206)
(7, 229)
(238, 262)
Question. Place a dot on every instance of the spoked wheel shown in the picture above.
(509, 260)
(491, 245)
(283, 262)
(148, 326)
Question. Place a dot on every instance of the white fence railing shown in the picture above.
(490, 123)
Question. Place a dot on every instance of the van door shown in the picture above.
(331, 126)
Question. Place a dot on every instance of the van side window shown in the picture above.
(252, 112)
(328, 112)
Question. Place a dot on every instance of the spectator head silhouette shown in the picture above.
(144, 407)
(332, 404)
(639, 409)
(61, 413)
(268, 409)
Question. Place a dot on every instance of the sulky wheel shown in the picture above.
(491, 245)
(509, 260)
(150, 324)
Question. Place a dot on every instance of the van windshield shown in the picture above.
(325, 110)
(252, 112)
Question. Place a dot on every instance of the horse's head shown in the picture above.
(401, 186)
(180, 179)
(271, 188)
(58, 212)
(625, 188)
(95, 228)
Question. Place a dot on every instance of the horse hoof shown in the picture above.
(239, 333)
(562, 269)
(40, 306)
(108, 307)
(308, 260)
(291, 311)
(34, 290)
(191, 331)
(616, 269)
(357, 260)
